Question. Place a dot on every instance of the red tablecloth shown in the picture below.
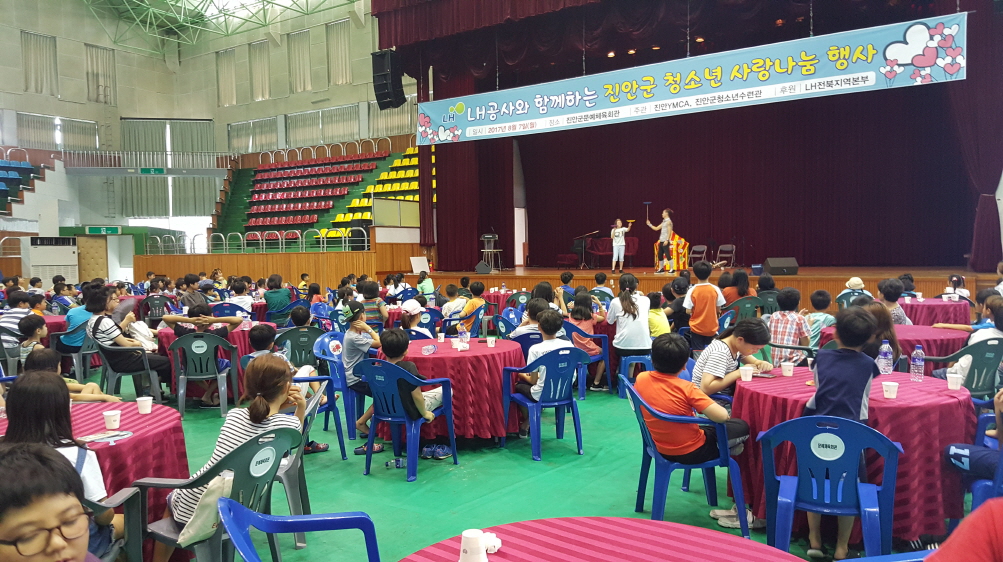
(54, 324)
(607, 539)
(259, 309)
(156, 449)
(936, 342)
(476, 377)
(238, 337)
(934, 311)
(924, 418)
(393, 316)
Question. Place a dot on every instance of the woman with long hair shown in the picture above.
(884, 331)
(38, 411)
(544, 290)
(629, 311)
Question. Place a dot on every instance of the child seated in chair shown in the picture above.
(359, 339)
(262, 340)
(200, 320)
(416, 403)
(820, 301)
(473, 303)
(456, 303)
(39, 306)
(411, 312)
(665, 392)
(789, 327)
(49, 360)
(716, 370)
(842, 378)
(530, 385)
(240, 296)
(585, 320)
(63, 294)
(533, 309)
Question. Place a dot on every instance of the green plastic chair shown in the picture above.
(845, 299)
(253, 464)
(61, 309)
(831, 345)
(769, 299)
(111, 380)
(745, 307)
(193, 357)
(152, 309)
(11, 355)
(809, 351)
(603, 296)
(298, 343)
(81, 359)
(128, 499)
(519, 298)
(981, 379)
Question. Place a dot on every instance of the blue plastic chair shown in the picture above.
(664, 467)
(326, 409)
(322, 316)
(237, 522)
(571, 330)
(407, 294)
(476, 315)
(281, 317)
(512, 315)
(724, 321)
(504, 327)
(558, 393)
(627, 364)
(828, 453)
(328, 349)
(224, 309)
(918, 556)
(430, 320)
(416, 335)
(382, 377)
(527, 341)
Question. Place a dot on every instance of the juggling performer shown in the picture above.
(665, 248)
(619, 242)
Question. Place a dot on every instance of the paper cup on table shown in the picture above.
(112, 419)
(891, 389)
(954, 297)
(144, 404)
(810, 361)
(787, 369)
(491, 342)
(472, 547)
(746, 373)
(919, 296)
(442, 338)
(954, 382)
(945, 298)
(908, 300)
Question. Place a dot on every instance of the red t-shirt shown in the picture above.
(978, 537)
(671, 395)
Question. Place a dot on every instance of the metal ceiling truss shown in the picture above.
(146, 25)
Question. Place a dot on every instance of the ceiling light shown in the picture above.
(611, 54)
(631, 51)
(780, 23)
(655, 48)
(699, 39)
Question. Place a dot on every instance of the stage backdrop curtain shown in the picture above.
(832, 181)
(138, 196)
(978, 119)
(494, 161)
(193, 197)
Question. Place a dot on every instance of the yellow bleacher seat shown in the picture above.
(367, 202)
(396, 187)
(400, 197)
(417, 173)
(369, 189)
(323, 233)
(367, 215)
(356, 216)
(409, 174)
(433, 159)
(433, 148)
(334, 233)
(433, 183)
(414, 185)
(379, 188)
(383, 176)
(414, 161)
(416, 198)
(409, 198)
(396, 163)
(354, 203)
(433, 198)
(433, 170)
(339, 218)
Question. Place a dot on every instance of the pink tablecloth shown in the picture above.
(259, 309)
(238, 337)
(936, 342)
(924, 418)
(393, 316)
(936, 311)
(54, 324)
(156, 449)
(476, 377)
(607, 539)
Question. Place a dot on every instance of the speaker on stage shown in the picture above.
(781, 266)
(387, 79)
(482, 267)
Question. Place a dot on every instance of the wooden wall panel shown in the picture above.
(11, 266)
(395, 257)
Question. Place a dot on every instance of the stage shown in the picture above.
(929, 281)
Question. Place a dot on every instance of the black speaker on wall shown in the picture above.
(387, 79)
(781, 266)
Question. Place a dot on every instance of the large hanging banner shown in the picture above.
(890, 56)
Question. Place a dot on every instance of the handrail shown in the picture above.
(240, 239)
(149, 245)
(390, 145)
(365, 237)
(413, 140)
(358, 146)
(145, 159)
(192, 245)
(264, 237)
(303, 239)
(172, 245)
(317, 148)
(4, 247)
(181, 246)
(209, 243)
(370, 141)
(6, 155)
(340, 145)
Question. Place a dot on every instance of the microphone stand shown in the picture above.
(582, 264)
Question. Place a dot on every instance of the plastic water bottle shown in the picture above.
(396, 463)
(461, 331)
(885, 361)
(504, 287)
(916, 366)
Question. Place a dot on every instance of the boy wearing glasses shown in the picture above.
(41, 515)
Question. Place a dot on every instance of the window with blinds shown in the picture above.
(259, 135)
(402, 120)
(48, 132)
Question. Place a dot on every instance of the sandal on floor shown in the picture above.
(315, 447)
(377, 448)
(817, 552)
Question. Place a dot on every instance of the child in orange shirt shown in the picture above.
(583, 317)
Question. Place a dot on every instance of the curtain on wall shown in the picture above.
(139, 196)
(298, 45)
(193, 197)
(265, 134)
(303, 129)
(38, 57)
(339, 53)
(398, 121)
(100, 74)
(36, 131)
(260, 67)
(79, 135)
(340, 124)
(239, 136)
(226, 77)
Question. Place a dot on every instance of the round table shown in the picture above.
(936, 311)
(54, 324)
(239, 338)
(393, 317)
(476, 377)
(607, 539)
(924, 418)
(936, 342)
(155, 449)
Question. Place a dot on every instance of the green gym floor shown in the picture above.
(491, 486)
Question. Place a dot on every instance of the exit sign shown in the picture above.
(107, 230)
(153, 171)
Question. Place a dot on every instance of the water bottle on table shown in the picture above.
(396, 463)
(461, 331)
(885, 359)
(916, 365)
(504, 288)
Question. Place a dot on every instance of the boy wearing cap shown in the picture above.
(855, 285)
(359, 339)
